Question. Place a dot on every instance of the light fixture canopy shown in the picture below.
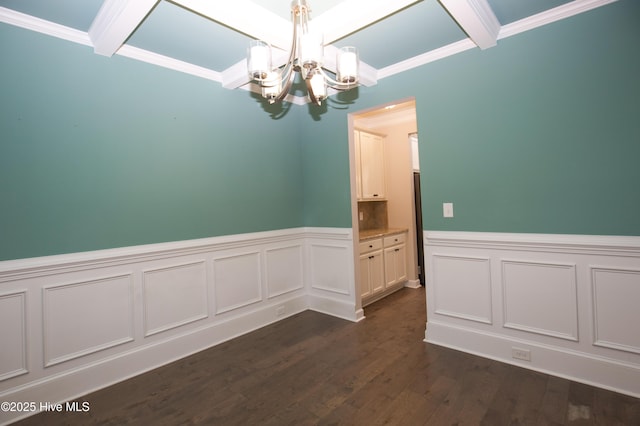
(306, 57)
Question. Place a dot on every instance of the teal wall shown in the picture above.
(108, 152)
(539, 134)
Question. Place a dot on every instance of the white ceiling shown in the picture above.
(209, 38)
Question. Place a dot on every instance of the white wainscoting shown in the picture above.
(571, 300)
(72, 324)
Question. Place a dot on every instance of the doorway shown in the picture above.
(396, 124)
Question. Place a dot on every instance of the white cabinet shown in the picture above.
(395, 259)
(371, 267)
(370, 172)
(383, 265)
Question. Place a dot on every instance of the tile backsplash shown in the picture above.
(374, 214)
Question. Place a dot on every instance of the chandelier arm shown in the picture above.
(286, 87)
(336, 84)
(287, 74)
(312, 96)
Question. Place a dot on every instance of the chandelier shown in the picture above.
(306, 57)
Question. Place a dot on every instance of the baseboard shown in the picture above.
(412, 284)
(335, 307)
(566, 298)
(581, 367)
(74, 383)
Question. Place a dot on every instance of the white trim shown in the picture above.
(168, 62)
(115, 22)
(605, 245)
(549, 16)
(64, 263)
(32, 23)
(476, 18)
(425, 58)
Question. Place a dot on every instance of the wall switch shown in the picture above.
(447, 209)
(361, 215)
(519, 353)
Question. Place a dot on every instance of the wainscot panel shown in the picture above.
(72, 324)
(13, 329)
(162, 310)
(565, 302)
(616, 296)
(463, 276)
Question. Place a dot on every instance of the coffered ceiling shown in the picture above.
(209, 38)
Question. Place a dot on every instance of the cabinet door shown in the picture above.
(376, 272)
(401, 263)
(365, 276)
(395, 264)
(372, 166)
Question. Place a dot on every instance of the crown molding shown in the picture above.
(168, 62)
(425, 58)
(32, 23)
(550, 16)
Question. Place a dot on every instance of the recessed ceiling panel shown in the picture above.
(78, 14)
(417, 29)
(508, 11)
(179, 33)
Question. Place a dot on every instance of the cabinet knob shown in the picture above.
(371, 257)
(375, 195)
(397, 250)
(370, 245)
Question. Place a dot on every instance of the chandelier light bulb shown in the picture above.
(259, 60)
(311, 50)
(347, 64)
(318, 86)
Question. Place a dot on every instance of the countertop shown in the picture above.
(380, 232)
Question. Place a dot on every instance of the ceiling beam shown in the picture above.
(115, 22)
(476, 18)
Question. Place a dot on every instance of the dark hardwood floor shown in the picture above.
(315, 369)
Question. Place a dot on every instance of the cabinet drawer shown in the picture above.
(392, 240)
(371, 245)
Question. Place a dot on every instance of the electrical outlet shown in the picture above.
(519, 353)
(280, 310)
(361, 215)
